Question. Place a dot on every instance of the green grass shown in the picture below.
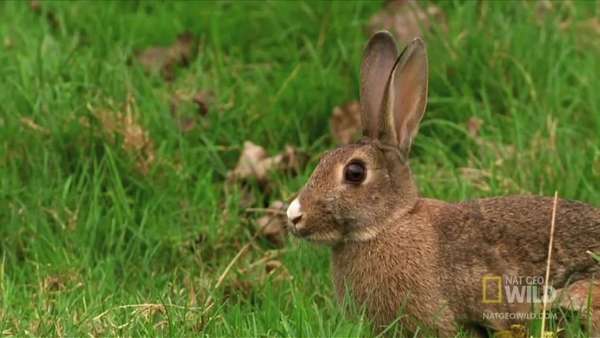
(85, 237)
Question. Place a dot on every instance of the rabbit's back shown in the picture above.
(509, 236)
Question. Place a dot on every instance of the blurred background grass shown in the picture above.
(91, 243)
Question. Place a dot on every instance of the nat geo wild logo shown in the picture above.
(515, 289)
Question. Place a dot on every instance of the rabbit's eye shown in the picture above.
(355, 172)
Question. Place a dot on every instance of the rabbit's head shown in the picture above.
(357, 188)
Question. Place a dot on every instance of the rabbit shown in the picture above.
(425, 261)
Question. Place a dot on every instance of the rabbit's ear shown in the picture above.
(378, 61)
(407, 96)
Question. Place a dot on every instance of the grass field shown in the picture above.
(95, 242)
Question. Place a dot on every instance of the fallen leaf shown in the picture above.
(345, 122)
(254, 162)
(272, 226)
(406, 19)
(165, 60)
(136, 140)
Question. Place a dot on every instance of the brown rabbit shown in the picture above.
(436, 265)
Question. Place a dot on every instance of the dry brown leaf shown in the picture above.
(136, 140)
(405, 19)
(345, 122)
(254, 162)
(164, 60)
(272, 226)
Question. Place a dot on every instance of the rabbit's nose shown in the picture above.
(294, 212)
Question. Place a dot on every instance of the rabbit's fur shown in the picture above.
(398, 254)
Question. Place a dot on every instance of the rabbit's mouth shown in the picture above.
(313, 229)
(300, 232)
(298, 229)
(313, 234)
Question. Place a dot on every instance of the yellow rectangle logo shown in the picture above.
(488, 282)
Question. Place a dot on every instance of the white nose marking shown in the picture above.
(294, 211)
